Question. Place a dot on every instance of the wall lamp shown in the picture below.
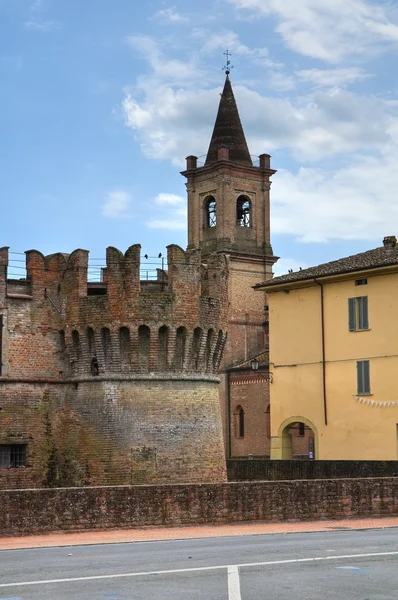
(265, 376)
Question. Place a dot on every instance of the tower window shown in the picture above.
(243, 212)
(210, 207)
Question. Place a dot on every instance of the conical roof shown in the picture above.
(228, 130)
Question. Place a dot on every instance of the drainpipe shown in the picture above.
(325, 409)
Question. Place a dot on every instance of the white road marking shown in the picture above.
(268, 563)
(233, 583)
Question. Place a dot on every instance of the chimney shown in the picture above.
(389, 242)
(265, 161)
(192, 162)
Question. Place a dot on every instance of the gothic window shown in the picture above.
(239, 422)
(210, 208)
(243, 211)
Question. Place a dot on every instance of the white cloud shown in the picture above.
(356, 202)
(171, 212)
(43, 26)
(333, 77)
(173, 123)
(171, 224)
(117, 205)
(328, 30)
(168, 200)
(169, 15)
(215, 41)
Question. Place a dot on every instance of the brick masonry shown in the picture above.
(114, 388)
(88, 508)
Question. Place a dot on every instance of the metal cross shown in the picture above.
(228, 65)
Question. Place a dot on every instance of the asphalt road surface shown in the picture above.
(338, 565)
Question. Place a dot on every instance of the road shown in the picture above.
(337, 565)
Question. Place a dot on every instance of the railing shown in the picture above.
(152, 268)
(262, 469)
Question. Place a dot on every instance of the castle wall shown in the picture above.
(115, 388)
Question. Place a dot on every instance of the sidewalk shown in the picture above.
(183, 533)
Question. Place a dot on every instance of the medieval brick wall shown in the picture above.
(118, 386)
(249, 391)
(73, 509)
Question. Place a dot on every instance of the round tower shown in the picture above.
(123, 372)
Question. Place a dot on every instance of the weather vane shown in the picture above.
(228, 66)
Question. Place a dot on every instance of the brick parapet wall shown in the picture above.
(74, 509)
(47, 318)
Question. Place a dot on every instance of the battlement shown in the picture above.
(120, 325)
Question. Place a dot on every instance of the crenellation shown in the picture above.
(131, 365)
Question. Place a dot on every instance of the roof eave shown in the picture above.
(275, 286)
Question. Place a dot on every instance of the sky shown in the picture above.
(102, 100)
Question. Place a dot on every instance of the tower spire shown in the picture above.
(228, 130)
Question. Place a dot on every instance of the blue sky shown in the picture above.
(101, 101)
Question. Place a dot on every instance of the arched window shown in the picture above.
(239, 422)
(243, 211)
(210, 209)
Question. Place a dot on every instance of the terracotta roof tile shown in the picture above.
(378, 257)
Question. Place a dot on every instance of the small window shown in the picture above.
(363, 377)
(301, 429)
(240, 422)
(211, 211)
(358, 313)
(12, 456)
(361, 282)
(243, 216)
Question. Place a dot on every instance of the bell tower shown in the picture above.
(229, 213)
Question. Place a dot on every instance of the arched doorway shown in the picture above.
(299, 439)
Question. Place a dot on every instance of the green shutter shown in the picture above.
(359, 377)
(363, 377)
(351, 314)
(363, 312)
(366, 377)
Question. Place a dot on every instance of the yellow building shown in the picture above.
(334, 356)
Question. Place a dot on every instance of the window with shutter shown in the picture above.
(363, 312)
(351, 314)
(363, 377)
(358, 313)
